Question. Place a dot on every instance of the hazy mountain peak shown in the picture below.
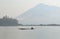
(41, 4)
(41, 14)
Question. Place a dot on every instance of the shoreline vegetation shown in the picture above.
(7, 21)
(29, 25)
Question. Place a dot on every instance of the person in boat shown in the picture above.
(32, 28)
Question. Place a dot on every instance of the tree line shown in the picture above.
(5, 20)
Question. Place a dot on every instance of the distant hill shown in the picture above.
(41, 14)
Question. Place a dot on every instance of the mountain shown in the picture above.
(41, 14)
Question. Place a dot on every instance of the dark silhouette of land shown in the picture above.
(7, 21)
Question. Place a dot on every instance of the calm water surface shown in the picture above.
(39, 32)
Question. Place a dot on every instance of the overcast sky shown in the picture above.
(13, 8)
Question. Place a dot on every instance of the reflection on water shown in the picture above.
(39, 32)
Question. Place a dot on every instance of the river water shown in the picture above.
(39, 32)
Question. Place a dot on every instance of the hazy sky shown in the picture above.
(14, 8)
